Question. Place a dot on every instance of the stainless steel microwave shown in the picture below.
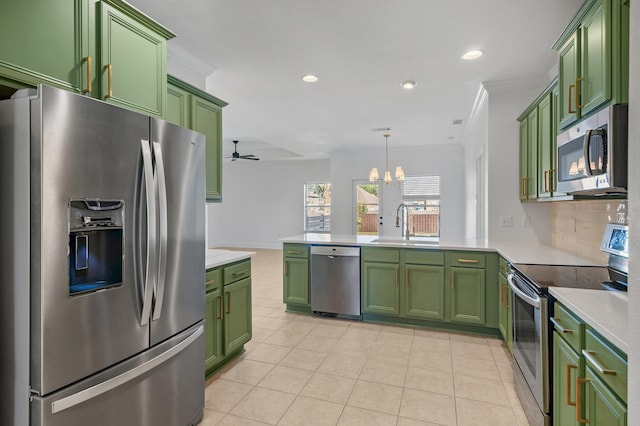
(592, 155)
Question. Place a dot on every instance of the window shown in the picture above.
(367, 207)
(421, 195)
(317, 207)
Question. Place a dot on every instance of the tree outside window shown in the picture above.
(317, 209)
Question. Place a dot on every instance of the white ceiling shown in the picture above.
(361, 50)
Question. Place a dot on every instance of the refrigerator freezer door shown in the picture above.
(180, 289)
(82, 149)
(163, 386)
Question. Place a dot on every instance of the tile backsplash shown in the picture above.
(577, 226)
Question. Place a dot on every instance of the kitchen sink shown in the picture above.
(402, 241)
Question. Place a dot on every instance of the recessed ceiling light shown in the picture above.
(309, 78)
(409, 84)
(472, 54)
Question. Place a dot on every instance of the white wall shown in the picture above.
(476, 142)
(444, 160)
(633, 402)
(507, 100)
(262, 202)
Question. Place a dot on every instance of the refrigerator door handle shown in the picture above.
(97, 390)
(162, 234)
(149, 277)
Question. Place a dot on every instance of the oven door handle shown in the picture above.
(521, 294)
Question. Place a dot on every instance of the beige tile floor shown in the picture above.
(301, 370)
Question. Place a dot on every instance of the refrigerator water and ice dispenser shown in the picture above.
(95, 244)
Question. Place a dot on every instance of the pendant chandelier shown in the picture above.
(373, 174)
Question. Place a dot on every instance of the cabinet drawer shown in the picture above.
(237, 272)
(295, 250)
(569, 327)
(381, 254)
(424, 257)
(606, 362)
(467, 259)
(213, 279)
(503, 266)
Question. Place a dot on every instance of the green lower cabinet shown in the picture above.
(296, 281)
(380, 289)
(567, 366)
(603, 407)
(424, 289)
(213, 329)
(468, 295)
(237, 314)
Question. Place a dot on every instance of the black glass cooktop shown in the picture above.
(545, 276)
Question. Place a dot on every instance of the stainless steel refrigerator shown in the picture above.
(102, 264)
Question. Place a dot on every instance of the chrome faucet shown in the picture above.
(406, 222)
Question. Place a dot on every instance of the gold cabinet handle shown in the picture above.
(570, 111)
(210, 282)
(579, 419)
(220, 309)
(452, 280)
(567, 396)
(546, 181)
(590, 357)
(553, 181)
(577, 92)
(468, 260)
(556, 322)
(406, 278)
(284, 266)
(503, 295)
(109, 81)
(228, 302)
(523, 189)
(87, 59)
(294, 252)
(397, 273)
(244, 271)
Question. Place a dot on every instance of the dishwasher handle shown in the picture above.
(335, 251)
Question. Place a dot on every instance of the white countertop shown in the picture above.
(514, 253)
(217, 257)
(605, 311)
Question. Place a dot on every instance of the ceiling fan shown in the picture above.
(236, 155)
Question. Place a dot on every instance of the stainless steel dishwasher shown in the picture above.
(335, 280)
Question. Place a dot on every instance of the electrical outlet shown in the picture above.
(506, 221)
(526, 221)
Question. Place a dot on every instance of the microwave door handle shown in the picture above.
(587, 146)
(521, 294)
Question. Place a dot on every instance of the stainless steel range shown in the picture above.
(531, 312)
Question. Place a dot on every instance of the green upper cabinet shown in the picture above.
(532, 163)
(41, 42)
(132, 70)
(198, 110)
(545, 147)
(593, 57)
(104, 48)
(524, 158)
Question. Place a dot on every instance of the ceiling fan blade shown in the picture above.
(249, 157)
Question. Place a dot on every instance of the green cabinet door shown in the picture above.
(594, 85)
(468, 295)
(296, 281)
(380, 291)
(213, 329)
(503, 307)
(524, 159)
(178, 106)
(206, 118)
(602, 406)
(532, 157)
(40, 42)
(568, 63)
(567, 366)
(237, 315)
(132, 71)
(423, 292)
(546, 147)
